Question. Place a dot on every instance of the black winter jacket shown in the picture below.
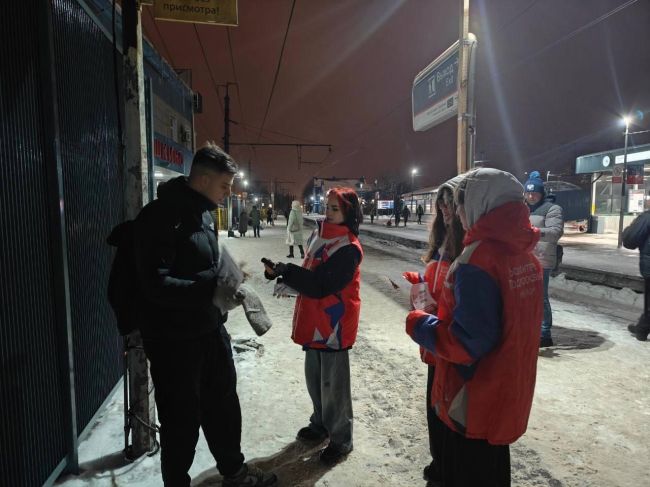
(177, 254)
(637, 236)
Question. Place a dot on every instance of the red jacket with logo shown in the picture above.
(486, 335)
(434, 275)
(329, 322)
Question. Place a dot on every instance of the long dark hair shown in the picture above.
(450, 236)
(349, 203)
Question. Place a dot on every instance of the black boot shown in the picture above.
(290, 256)
(641, 330)
(302, 252)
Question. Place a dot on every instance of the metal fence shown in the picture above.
(61, 193)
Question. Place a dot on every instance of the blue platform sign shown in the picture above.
(435, 91)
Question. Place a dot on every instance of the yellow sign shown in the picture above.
(223, 12)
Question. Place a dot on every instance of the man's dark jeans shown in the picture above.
(196, 386)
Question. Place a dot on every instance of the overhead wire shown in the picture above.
(277, 70)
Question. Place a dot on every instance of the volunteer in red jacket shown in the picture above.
(445, 244)
(486, 343)
(326, 318)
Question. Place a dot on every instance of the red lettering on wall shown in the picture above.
(167, 153)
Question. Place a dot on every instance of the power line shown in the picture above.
(205, 60)
(277, 70)
(574, 33)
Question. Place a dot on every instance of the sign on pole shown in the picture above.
(222, 12)
(435, 91)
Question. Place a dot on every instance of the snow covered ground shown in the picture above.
(590, 423)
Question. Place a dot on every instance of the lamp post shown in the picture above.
(626, 121)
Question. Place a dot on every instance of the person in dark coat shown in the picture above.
(405, 214)
(243, 223)
(637, 236)
(256, 220)
(183, 332)
(419, 212)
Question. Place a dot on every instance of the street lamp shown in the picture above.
(626, 121)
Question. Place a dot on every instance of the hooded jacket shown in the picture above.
(178, 250)
(547, 216)
(486, 335)
(436, 271)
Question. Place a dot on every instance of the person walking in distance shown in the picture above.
(637, 236)
(294, 229)
(419, 212)
(406, 213)
(547, 216)
(326, 319)
(182, 330)
(255, 221)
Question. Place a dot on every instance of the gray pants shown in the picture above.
(328, 382)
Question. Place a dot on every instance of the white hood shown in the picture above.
(487, 189)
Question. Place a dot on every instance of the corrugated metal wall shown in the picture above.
(45, 160)
(33, 414)
(93, 196)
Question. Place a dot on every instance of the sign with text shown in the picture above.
(435, 91)
(385, 204)
(170, 155)
(222, 12)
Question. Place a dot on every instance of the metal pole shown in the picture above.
(463, 123)
(136, 173)
(226, 147)
(623, 188)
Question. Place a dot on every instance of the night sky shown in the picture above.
(553, 78)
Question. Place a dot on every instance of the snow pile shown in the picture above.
(624, 296)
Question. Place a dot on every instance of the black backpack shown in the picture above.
(124, 294)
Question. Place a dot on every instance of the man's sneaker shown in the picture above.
(333, 454)
(309, 434)
(545, 342)
(641, 329)
(249, 476)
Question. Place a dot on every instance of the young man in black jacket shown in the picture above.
(183, 334)
(637, 236)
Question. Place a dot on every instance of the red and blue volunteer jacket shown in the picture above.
(326, 316)
(486, 335)
(435, 275)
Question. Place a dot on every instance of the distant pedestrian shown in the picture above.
(398, 214)
(373, 213)
(419, 212)
(243, 223)
(547, 216)
(294, 229)
(405, 214)
(255, 221)
(445, 244)
(326, 319)
(269, 216)
(637, 236)
(485, 336)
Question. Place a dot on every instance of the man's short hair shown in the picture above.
(214, 158)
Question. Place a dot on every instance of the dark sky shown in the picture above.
(553, 77)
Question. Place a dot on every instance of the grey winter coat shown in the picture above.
(548, 218)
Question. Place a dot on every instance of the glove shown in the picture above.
(413, 277)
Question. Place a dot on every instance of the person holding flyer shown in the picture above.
(445, 244)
